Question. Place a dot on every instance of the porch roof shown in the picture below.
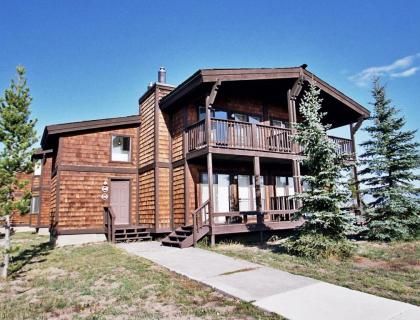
(205, 77)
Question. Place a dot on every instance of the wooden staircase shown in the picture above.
(123, 233)
(186, 236)
(183, 237)
(131, 234)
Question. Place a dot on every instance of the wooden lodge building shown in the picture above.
(211, 156)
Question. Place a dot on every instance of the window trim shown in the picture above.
(32, 204)
(40, 167)
(131, 137)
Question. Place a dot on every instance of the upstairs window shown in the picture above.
(35, 204)
(280, 123)
(37, 168)
(121, 148)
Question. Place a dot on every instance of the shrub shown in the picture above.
(319, 247)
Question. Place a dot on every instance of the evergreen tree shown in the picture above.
(389, 162)
(323, 201)
(17, 136)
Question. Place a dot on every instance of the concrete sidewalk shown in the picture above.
(292, 296)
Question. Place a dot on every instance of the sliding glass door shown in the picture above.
(221, 194)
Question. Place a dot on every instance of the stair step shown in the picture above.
(129, 230)
(183, 236)
(187, 228)
(144, 233)
(183, 233)
(178, 236)
(171, 243)
(133, 239)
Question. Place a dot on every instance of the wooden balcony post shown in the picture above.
(296, 176)
(292, 118)
(257, 184)
(210, 184)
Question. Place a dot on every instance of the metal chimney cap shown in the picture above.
(162, 75)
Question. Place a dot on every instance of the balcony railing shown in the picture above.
(246, 136)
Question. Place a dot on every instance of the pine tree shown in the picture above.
(389, 162)
(323, 201)
(17, 136)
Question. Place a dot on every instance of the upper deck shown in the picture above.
(243, 138)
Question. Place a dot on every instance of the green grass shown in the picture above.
(387, 270)
(103, 282)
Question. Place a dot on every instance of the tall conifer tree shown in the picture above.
(322, 203)
(389, 161)
(17, 136)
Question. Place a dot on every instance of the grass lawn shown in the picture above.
(103, 282)
(387, 270)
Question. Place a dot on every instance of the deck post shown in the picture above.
(296, 176)
(210, 184)
(209, 102)
(257, 176)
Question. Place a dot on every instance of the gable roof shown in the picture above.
(203, 76)
(58, 129)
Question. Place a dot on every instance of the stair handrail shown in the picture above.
(197, 220)
(110, 223)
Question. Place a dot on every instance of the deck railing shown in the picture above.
(246, 136)
(199, 219)
(196, 136)
(109, 220)
(273, 139)
(345, 146)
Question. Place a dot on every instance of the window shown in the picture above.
(37, 168)
(280, 123)
(35, 204)
(227, 115)
(285, 186)
(121, 147)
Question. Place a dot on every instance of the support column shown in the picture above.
(296, 176)
(257, 183)
(258, 201)
(210, 185)
(209, 102)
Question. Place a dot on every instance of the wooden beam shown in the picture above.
(357, 125)
(258, 202)
(213, 92)
(297, 87)
(210, 185)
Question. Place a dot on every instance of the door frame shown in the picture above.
(130, 185)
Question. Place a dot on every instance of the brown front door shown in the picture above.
(120, 200)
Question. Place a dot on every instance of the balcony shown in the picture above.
(238, 135)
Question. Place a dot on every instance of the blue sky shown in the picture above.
(93, 59)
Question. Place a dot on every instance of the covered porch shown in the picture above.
(235, 194)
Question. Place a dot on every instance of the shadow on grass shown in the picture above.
(253, 240)
(34, 254)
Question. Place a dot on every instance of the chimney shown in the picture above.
(162, 75)
(150, 85)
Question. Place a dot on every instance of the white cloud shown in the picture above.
(400, 68)
(406, 73)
